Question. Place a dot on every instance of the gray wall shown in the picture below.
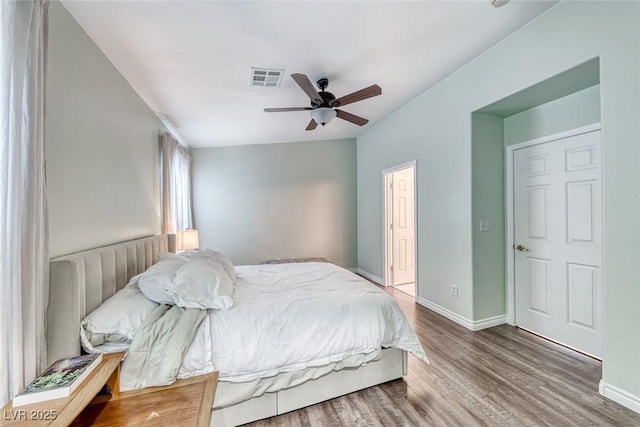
(102, 146)
(259, 202)
(436, 129)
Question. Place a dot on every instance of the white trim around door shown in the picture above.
(385, 231)
(510, 238)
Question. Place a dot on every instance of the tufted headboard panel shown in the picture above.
(80, 282)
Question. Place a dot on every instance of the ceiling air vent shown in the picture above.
(265, 77)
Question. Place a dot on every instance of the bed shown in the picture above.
(80, 282)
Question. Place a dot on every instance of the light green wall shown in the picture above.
(489, 136)
(102, 146)
(573, 111)
(436, 129)
(259, 202)
(488, 203)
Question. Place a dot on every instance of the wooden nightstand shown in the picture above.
(186, 402)
(61, 412)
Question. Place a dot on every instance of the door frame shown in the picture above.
(510, 235)
(385, 221)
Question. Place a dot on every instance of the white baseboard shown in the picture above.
(472, 325)
(489, 322)
(620, 396)
(375, 279)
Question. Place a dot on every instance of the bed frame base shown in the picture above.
(391, 366)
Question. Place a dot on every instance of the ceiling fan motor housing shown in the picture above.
(327, 99)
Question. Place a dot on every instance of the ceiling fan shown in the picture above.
(323, 104)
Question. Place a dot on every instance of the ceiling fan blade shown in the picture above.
(312, 125)
(279, 110)
(351, 118)
(367, 92)
(306, 85)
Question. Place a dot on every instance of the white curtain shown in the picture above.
(24, 274)
(176, 186)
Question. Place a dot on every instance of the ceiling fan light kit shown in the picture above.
(323, 115)
(323, 103)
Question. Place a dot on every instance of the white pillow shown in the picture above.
(154, 281)
(217, 256)
(202, 283)
(171, 256)
(116, 319)
(226, 263)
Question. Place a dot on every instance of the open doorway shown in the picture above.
(400, 227)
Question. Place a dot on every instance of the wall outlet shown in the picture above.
(454, 290)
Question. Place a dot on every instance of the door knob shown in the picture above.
(521, 248)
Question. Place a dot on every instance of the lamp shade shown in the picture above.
(187, 239)
(323, 115)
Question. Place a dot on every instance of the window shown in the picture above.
(176, 186)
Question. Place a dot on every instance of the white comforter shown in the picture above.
(293, 316)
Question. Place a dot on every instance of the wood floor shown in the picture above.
(495, 377)
(408, 288)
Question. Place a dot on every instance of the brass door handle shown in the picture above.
(521, 248)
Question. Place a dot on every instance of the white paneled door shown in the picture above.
(558, 240)
(403, 232)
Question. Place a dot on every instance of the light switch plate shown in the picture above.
(485, 225)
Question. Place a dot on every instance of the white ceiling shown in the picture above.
(191, 60)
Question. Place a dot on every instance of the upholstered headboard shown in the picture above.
(80, 282)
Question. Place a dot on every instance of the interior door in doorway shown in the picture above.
(558, 240)
(403, 227)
